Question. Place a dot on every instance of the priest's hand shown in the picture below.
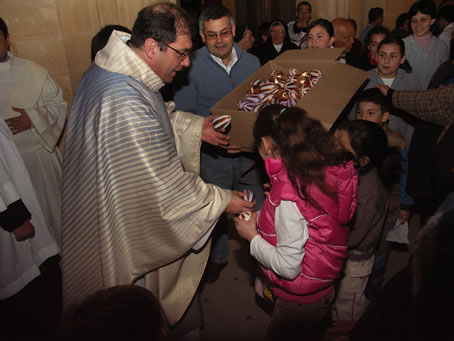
(211, 136)
(238, 204)
(24, 232)
(246, 229)
(20, 123)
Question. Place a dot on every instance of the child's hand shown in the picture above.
(403, 216)
(246, 229)
(24, 232)
(267, 188)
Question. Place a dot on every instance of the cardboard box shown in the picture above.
(325, 101)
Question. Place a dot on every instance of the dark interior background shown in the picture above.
(249, 12)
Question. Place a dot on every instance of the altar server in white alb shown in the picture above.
(33, 107)
(30, 278)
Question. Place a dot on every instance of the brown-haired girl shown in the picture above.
(300, 235)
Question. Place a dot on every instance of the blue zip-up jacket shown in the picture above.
(208, 82)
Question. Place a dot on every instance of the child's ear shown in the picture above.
(385, 117)
(264, 141)
(331, 41)
(403, 59)
(363, 161)
(267, 144)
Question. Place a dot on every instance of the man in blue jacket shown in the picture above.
(216, 69)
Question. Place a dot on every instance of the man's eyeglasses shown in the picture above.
(214, 36)
(304, 11)
(183, 55)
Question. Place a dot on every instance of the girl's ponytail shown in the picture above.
(369, 140)
(305, 147)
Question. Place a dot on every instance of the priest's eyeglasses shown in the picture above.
(183, 55)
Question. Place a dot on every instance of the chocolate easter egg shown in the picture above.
(246, 216)
(221, 123)
(249, 196)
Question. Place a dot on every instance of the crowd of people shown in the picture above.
(113, 239)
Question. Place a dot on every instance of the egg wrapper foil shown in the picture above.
(249, 196)
(246, 216)
(280, 88)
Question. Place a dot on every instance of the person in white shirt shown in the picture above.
(297, 29)
(30, 277)
(216, 69)
(33, 107)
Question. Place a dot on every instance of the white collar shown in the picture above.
(229, 66)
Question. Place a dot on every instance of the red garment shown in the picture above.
(326, 248)
(372, 61)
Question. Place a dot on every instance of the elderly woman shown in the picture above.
(278, 41)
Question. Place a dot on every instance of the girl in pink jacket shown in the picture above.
(300, 235)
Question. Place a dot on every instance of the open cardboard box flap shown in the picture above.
(325, 101)
(310, 54)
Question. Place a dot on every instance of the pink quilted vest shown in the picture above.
(326, 247)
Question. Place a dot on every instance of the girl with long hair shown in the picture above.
(300, 235)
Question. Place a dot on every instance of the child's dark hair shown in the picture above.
(326, 24)
(368, 139)
(393, 39)
(401, 19)
(305, 147)
(375, 96)
(3, 28)
(425, 7)
(376, 30)
(375, 13)
(101, 38)
(118, 313)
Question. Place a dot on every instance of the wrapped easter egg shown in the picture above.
(280, 88)
(221, 123)
(249, 196)
(246, 216)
